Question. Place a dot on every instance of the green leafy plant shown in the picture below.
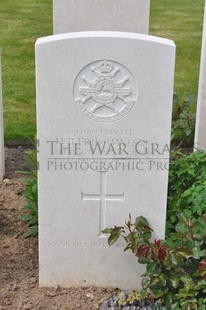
(30, 208)
(183, 124)
(175, 273)
(187, 187)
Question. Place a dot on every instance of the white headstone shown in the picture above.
(2, 163)
(200, 129)
(103, 15)
(104, 102)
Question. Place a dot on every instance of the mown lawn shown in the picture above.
(181, 21)
(23, 21)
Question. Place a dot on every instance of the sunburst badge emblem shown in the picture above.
(105, 91)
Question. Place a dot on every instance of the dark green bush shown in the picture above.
(175, 273)
(175, 267)
(187, 187)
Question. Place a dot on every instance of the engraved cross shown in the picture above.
(103, 197)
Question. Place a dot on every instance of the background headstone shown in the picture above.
(103, 15)
(104, 104)
(200, 129)
(2, 163)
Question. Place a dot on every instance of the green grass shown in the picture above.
(23, 21)
(181, 21)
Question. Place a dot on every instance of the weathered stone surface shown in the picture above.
(101, 15)
(104, 102)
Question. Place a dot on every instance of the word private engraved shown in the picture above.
(105, 91)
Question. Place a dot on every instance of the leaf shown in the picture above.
(184, 252)
(175, 258)
(158, 292)
(186, 278)
(130, 246)
(31, 232)
(144, 250)
(141, 220)
(175, 305)
(202, 268)
(175, 281)
(146, 235)
(168, 299)
(113, 238)
(141, 223)
(198, 253)
(153, 267)
(188, 131)
(34, 188)
(107, 231)
(161, 252)
(162, 280)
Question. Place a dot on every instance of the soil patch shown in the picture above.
(19, 256)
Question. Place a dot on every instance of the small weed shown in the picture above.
(31, 194)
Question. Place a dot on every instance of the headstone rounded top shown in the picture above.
(104, 34)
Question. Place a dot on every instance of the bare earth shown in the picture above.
(19, 256)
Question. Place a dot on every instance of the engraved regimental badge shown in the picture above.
(105, 91)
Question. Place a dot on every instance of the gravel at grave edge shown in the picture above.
(19, 256)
